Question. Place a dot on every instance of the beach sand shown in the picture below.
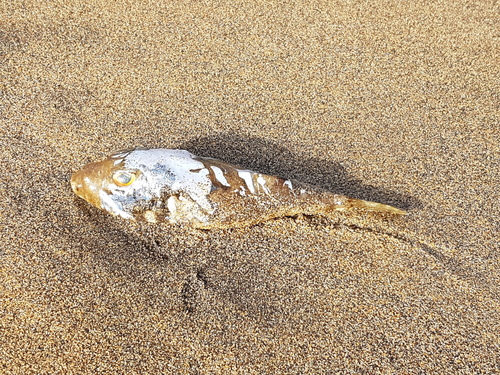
(385, 101)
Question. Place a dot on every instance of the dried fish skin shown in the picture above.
(177, 187)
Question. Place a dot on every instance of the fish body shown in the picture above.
(175, 186)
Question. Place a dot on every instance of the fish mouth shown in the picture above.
(83, 187)
(76, 186)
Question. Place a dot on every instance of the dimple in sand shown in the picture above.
(175, 186)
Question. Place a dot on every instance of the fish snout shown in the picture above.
(85, 187)
(76, 183)
(81, 183)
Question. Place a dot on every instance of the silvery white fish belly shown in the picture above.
(175, 186)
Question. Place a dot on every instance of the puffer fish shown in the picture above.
(177, 187)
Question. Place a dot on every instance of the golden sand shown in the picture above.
(384, 101)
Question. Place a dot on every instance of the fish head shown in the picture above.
(137, 184)
(118, 188)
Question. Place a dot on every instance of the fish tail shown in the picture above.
(341, 203)
(374, 206)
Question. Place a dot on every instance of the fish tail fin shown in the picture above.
(341, 203)
(374, 206)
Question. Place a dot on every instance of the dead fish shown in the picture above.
(175, 186)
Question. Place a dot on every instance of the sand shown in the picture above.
(386, 101)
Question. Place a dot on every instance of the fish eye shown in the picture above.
(123, 178)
